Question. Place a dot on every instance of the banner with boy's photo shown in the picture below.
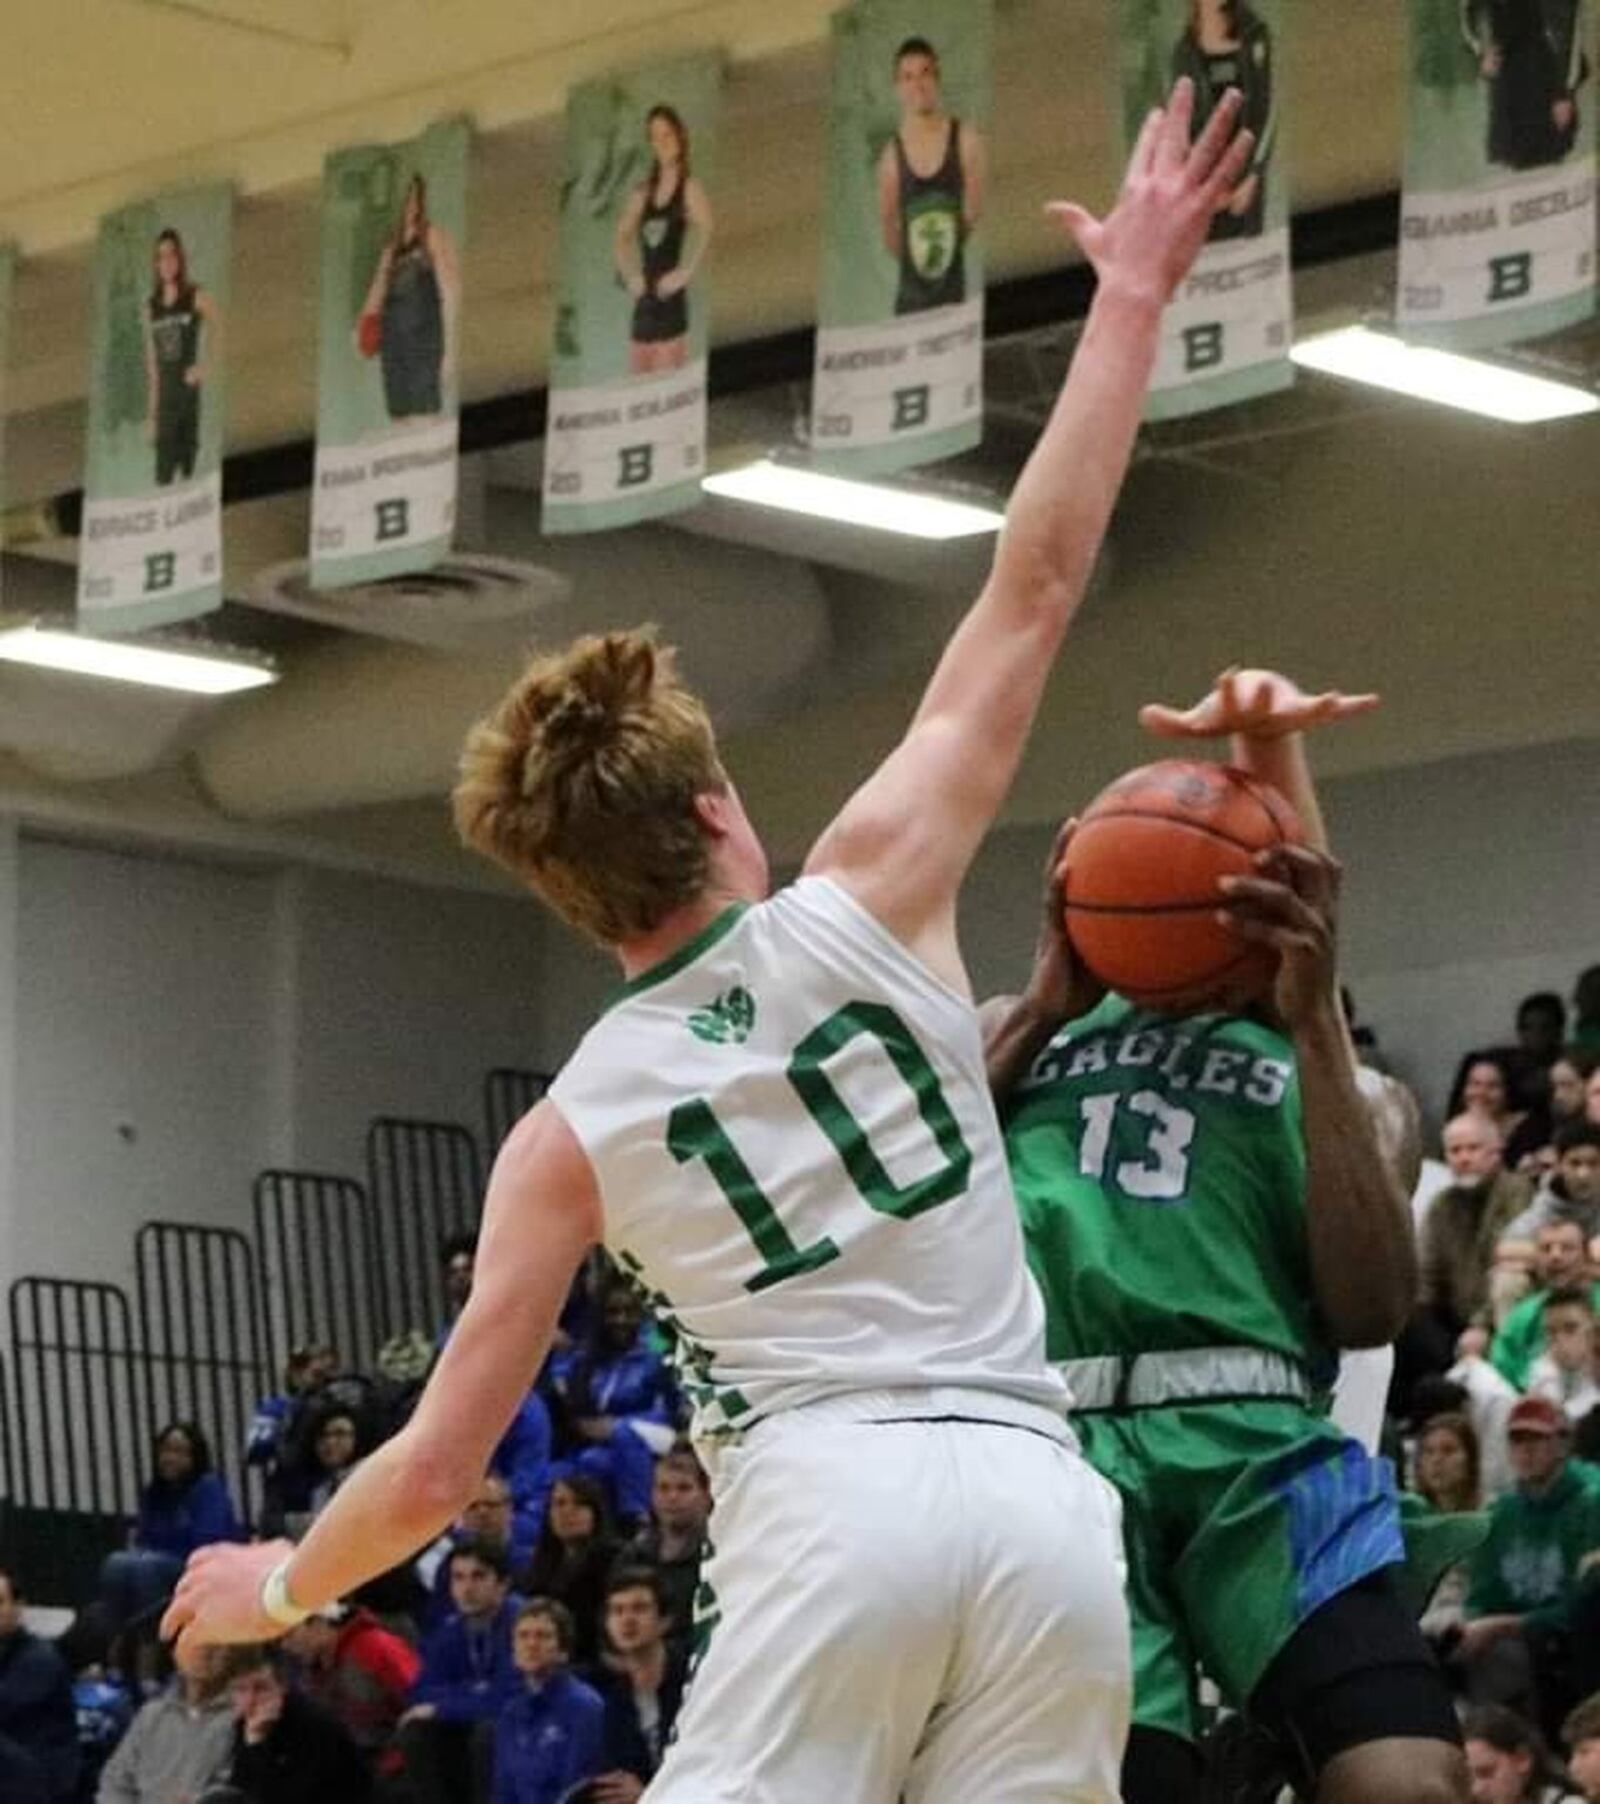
(626, 438)
(151, 546)
(899, 361)
(1497, 230)
(1226, 336)
(8, 271)
(394, 221)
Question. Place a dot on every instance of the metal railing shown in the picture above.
(507, 1096)
(316, 1257)
(425, 1179)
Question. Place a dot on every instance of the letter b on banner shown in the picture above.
(160, 571)
(636, 464)
(1202, 347)
(393, 519)
(912, 407)
(1511, 276)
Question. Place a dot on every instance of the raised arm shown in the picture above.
(1363, 1253)
(903, 842)
(541, 1215)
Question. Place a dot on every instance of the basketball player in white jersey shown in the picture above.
(783, 1130)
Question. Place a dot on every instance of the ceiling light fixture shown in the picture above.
(1383, 361)
(916, 513)
(128, 661)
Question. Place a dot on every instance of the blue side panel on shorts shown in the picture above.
(1344, 1522)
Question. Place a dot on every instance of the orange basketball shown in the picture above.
(1140, 881)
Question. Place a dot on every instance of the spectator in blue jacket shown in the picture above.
(38, 1721)
(467, 1678)
(549, 1737)
(185, 1506)
(619, 1405)
(523, 1460)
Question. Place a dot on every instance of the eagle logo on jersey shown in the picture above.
(728, 1020)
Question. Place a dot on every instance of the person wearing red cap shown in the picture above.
(1525, 1575)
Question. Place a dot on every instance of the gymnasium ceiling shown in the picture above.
(1372, 544)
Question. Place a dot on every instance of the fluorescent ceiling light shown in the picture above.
(1383, 361)
(126, 661)
(918, 514)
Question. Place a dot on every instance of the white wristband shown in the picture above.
(275, 1601)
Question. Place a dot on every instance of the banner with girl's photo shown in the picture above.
(151, 546)
(626, 439)
(1227, 335)
(899, 359)
(1497, 229)
(394, 221)
(8, 271)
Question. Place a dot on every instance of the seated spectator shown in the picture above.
(1580, 1735)
(1572, 1191)
(286, 1749)
(1486, 1084)
(185, 1505)
(523, 1460)
(338, 1446)
(1591, 1097)
(674, 1541)
(270, 1442)
(487, 1518)
(359, 1672)
(1446, 1477)
(466, 1679)
(574, 1558)
(181, 1742)
(457, 1256)
(1463, 1228)
(641, 1683)
(1565, 1372)
(618, 1405)
(38, 1723)
(1508, 1762)
(1525, 1575)
(1561, 1258)
(548, 1739)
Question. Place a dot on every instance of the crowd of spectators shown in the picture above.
(538, 1651)
(1496, 1401)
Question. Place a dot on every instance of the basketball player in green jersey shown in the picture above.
(931, 180)
(1209, 1219)
(783, 1128)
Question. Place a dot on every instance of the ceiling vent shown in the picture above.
(467, 602)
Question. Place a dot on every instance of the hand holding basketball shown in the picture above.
(1291, 904)
(1260, 704)
(1061, 987)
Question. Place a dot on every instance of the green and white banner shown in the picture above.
(626, 439)
(394, 221)
(1497, 231)
(899, 361)
(151, 545)
(8, 271)
(1226, 336)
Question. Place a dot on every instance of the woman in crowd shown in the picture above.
(1509, 1762)
(574, 1558)
(184, 1506)
(548, 1739)
(1447, 1476)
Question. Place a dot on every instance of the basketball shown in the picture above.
(1140, 881)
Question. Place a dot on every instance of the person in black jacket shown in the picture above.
(641, 1684)
(1226, 44)
(38, 1725)
(286, 1750)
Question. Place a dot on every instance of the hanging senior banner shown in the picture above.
(394, 221)
(151, 545)
(899, 361)
(8, 270)
(1227, 334)
(1497, 234)
(626, 439)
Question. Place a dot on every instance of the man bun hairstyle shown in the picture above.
(582, 783)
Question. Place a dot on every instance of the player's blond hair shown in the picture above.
(582, 783)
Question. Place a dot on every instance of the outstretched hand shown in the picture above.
(1060, 986)
(1260, 704)
(1172, 190)
(218, 1599)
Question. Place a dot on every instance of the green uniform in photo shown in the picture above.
(8, 270)
(1160, 1170)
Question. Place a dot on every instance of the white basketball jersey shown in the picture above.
(798, 1158)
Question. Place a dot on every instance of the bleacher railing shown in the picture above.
(425, 1179)
(507, 1096)
(203, 1349)
(317, 1259)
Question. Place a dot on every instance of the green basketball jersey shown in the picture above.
(1160, 1168)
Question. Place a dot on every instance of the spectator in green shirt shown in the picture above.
(1561, 1259)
